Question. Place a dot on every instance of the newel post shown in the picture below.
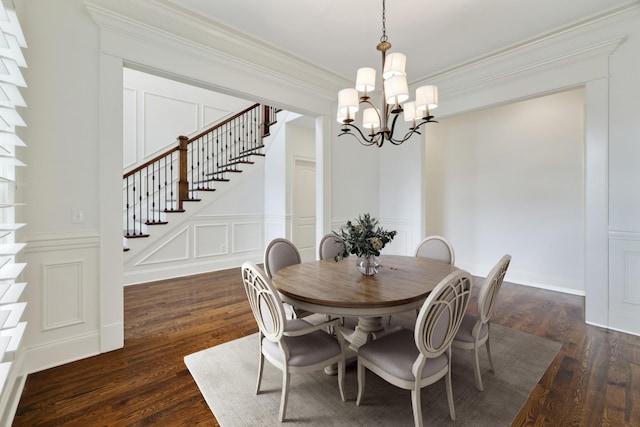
(266, 121)
(183, 183)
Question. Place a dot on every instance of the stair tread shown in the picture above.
(134, 236)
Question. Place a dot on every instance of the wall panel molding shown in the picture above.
(62, 294)
(210, 240)
(246, 237)
(207, 243)
(624, 281)
(175, 247)
(62, 241)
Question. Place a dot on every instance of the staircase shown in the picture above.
(161, 186)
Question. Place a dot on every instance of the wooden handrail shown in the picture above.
(222, 123)
(150, 162)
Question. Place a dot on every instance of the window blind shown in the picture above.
(12, 327)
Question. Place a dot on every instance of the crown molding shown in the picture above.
(161, 23)
(596, 37)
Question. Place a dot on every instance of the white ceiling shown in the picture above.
(341, 35)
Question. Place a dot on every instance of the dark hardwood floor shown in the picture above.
(593, 381)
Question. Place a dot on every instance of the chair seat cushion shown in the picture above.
(395, 354)
(305, 350)
(466, 328)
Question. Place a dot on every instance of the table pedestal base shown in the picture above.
(367, 329)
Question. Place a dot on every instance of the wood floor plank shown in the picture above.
(593, 381)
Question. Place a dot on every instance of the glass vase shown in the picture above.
(368, 265)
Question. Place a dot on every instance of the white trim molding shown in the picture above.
(624, 281)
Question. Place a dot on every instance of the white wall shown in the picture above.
(300, 185)
(401, 184)
(510, 179)
(288, 141)
(158, 110)
(623, 179)
(354, 179)
(277, 219)
(64, 290)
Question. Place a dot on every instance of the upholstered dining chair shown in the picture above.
(476, 327)
(278, 254)
(436, 247)
(330, 246)
(291, 345)
(415, 359)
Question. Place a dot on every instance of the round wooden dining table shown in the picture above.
(339, 289)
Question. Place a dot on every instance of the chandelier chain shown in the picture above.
(384, 23)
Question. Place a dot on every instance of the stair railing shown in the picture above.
(162, 184)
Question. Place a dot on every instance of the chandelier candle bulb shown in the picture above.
(426, 98)
(394, 65)
(396, 89)
(371, 119)
(348, 101)
(366, 80)
(409, 112)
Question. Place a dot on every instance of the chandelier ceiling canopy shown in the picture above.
(394, 100)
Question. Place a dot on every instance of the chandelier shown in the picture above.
(395, 92)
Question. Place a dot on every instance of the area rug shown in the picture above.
(226, 376)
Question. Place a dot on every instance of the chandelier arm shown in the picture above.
(406, 136)
(372, 140)
(413, 130)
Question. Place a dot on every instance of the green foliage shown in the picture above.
(363, 237)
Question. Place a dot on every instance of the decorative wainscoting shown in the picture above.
(200, 244)
(624, 281)
(276, 226)
(63, 295)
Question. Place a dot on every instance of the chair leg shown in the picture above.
(489, 354)
(416, 404)
(260, 368)
(452, 409)
(341, 370)
(361, 375)
(285, 392)
(476, 367)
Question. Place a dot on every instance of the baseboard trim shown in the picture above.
(61, 352)
(112, 337)
(560, 289)
(172, 272)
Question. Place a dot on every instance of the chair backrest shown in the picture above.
(436, 247)
(280, 253)
(441, 314)
(265, 303)
(330, 246)
(490, 289)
